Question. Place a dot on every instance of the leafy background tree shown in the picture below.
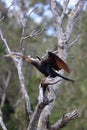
(70, 96)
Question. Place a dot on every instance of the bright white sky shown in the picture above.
(39, 19)
(72, 2)
(8, 2)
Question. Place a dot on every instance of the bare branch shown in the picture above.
(35, 32)
(10, 6)
(22, 83)
(18, 64)
(78, 8)
(57, 19)
(54, 8)
(32, 11)
(45, 55)
(65, 4)
(41, 94)
(7, 80)
(4, 41)
(24, 24)
(73, 17)
(50, 81)
(2, 122)
(36, 114)
(2, 17)
(75, 40)
(64, 120)
(6, 83)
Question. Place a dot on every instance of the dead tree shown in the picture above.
(39, 119)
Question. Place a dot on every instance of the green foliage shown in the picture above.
(70, 95)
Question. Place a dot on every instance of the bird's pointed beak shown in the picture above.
(9, 55)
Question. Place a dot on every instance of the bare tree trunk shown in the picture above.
(63, 45)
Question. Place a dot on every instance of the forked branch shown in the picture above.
(72, 17)
(18, 64)
(35, 32)
(64, 120)
(24, 22)
(37, 112)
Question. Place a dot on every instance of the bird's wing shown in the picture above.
(56, 62)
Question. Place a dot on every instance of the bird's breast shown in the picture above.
(45, 69)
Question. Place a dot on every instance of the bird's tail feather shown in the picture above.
(68, 79)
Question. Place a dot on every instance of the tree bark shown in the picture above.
(63, 45)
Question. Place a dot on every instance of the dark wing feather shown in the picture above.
(56, 62)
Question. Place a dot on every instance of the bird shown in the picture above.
(49, 66)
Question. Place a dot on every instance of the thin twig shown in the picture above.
(32, 11)
(24, 24)
(73, 15)
(2, 17)
(4, 41)
(35, 32)
(45, 55)
(75, 40)
(6, 83)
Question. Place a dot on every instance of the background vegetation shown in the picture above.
(70, 96)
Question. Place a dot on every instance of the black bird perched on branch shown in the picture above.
(48, 66)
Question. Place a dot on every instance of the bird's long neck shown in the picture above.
(32, 61)
(35, 62)
(27, 59)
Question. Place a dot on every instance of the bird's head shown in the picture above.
(13, 55)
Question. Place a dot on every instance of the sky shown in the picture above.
(72, 2)
(39, 19)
